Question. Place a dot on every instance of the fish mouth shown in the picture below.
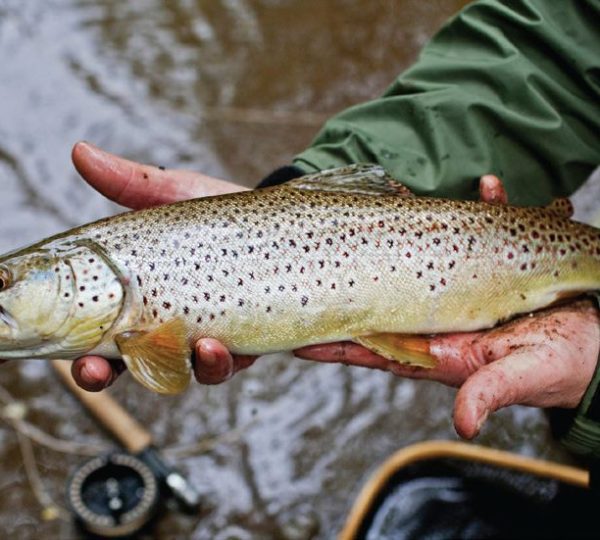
(7, 319)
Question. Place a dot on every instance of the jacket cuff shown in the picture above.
(280, 176)
(583, 435)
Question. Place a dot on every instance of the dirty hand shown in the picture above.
(545, 360)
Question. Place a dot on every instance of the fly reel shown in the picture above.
(113, 495)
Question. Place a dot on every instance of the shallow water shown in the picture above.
(231, 88)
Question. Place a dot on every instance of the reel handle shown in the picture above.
(130, 433)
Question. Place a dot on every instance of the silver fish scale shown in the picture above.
(279, 268)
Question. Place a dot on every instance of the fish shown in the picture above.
(347, 254)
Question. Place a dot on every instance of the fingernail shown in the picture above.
(481, 421)
(209, 358)
(95, 151)
(89, 380)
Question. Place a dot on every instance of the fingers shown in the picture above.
(344, 352)
(214, 364)
(94, 373)
(546, 360)
(529, 376)
(491, 190)
(140, 186)
(456, 358)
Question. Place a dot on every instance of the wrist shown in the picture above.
(281, 175)
(583, 434)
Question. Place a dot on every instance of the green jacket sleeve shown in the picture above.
(509, 88)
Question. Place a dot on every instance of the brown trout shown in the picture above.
(346, 254)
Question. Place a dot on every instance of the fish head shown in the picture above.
(56, 301)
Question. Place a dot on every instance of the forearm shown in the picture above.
(500, 90)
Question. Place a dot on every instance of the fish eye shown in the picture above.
(5, 279)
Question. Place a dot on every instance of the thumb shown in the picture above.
(140, 186)
(514, 379)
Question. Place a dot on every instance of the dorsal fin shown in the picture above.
(561, 206)
(366, 179)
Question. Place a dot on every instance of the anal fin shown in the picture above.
(159, 359)
(403, 348)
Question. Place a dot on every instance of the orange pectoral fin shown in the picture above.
(159, 359)
(402, 348)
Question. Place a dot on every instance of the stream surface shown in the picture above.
(231, 88)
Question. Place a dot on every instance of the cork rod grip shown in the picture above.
(108, 412)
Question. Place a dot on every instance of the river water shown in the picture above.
(232, 88)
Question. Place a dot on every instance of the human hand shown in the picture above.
(141, 186)
(544, 360)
